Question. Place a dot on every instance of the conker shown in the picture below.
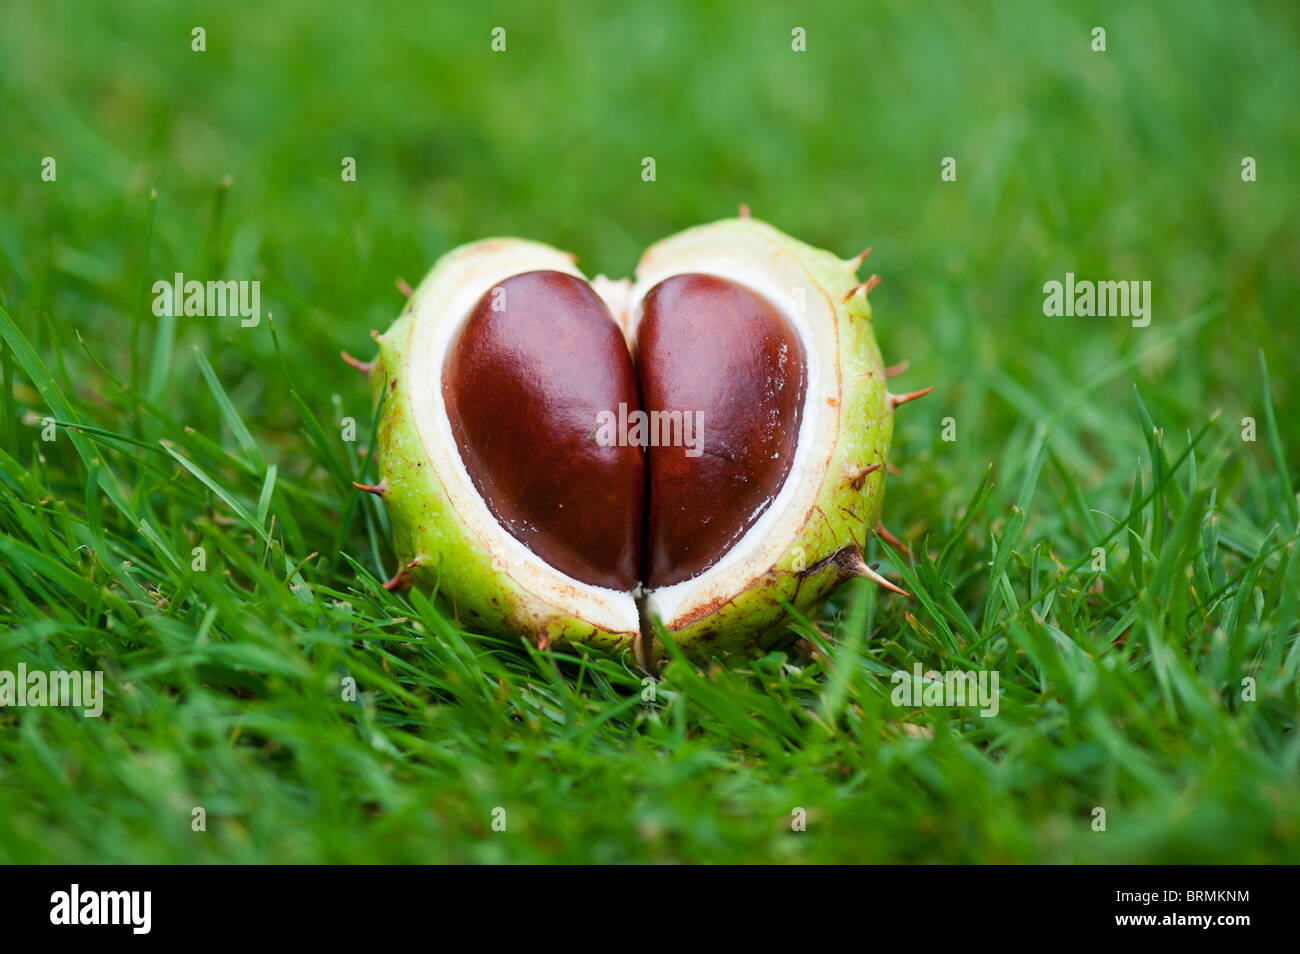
(505, 494)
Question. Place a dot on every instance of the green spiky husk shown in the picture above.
(438, 550)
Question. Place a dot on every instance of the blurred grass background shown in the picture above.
(1123, 164)
(1117, 165)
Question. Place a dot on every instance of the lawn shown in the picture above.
(1102, 513)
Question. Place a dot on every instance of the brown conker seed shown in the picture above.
(714, 346)
(538, 358)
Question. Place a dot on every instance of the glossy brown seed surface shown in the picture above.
(709, 345)
(524, 380)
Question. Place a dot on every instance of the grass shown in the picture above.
(1122, 688)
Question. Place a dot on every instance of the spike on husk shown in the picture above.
(897, 400)
(365, 367)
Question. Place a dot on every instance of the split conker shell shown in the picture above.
(795, 529)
